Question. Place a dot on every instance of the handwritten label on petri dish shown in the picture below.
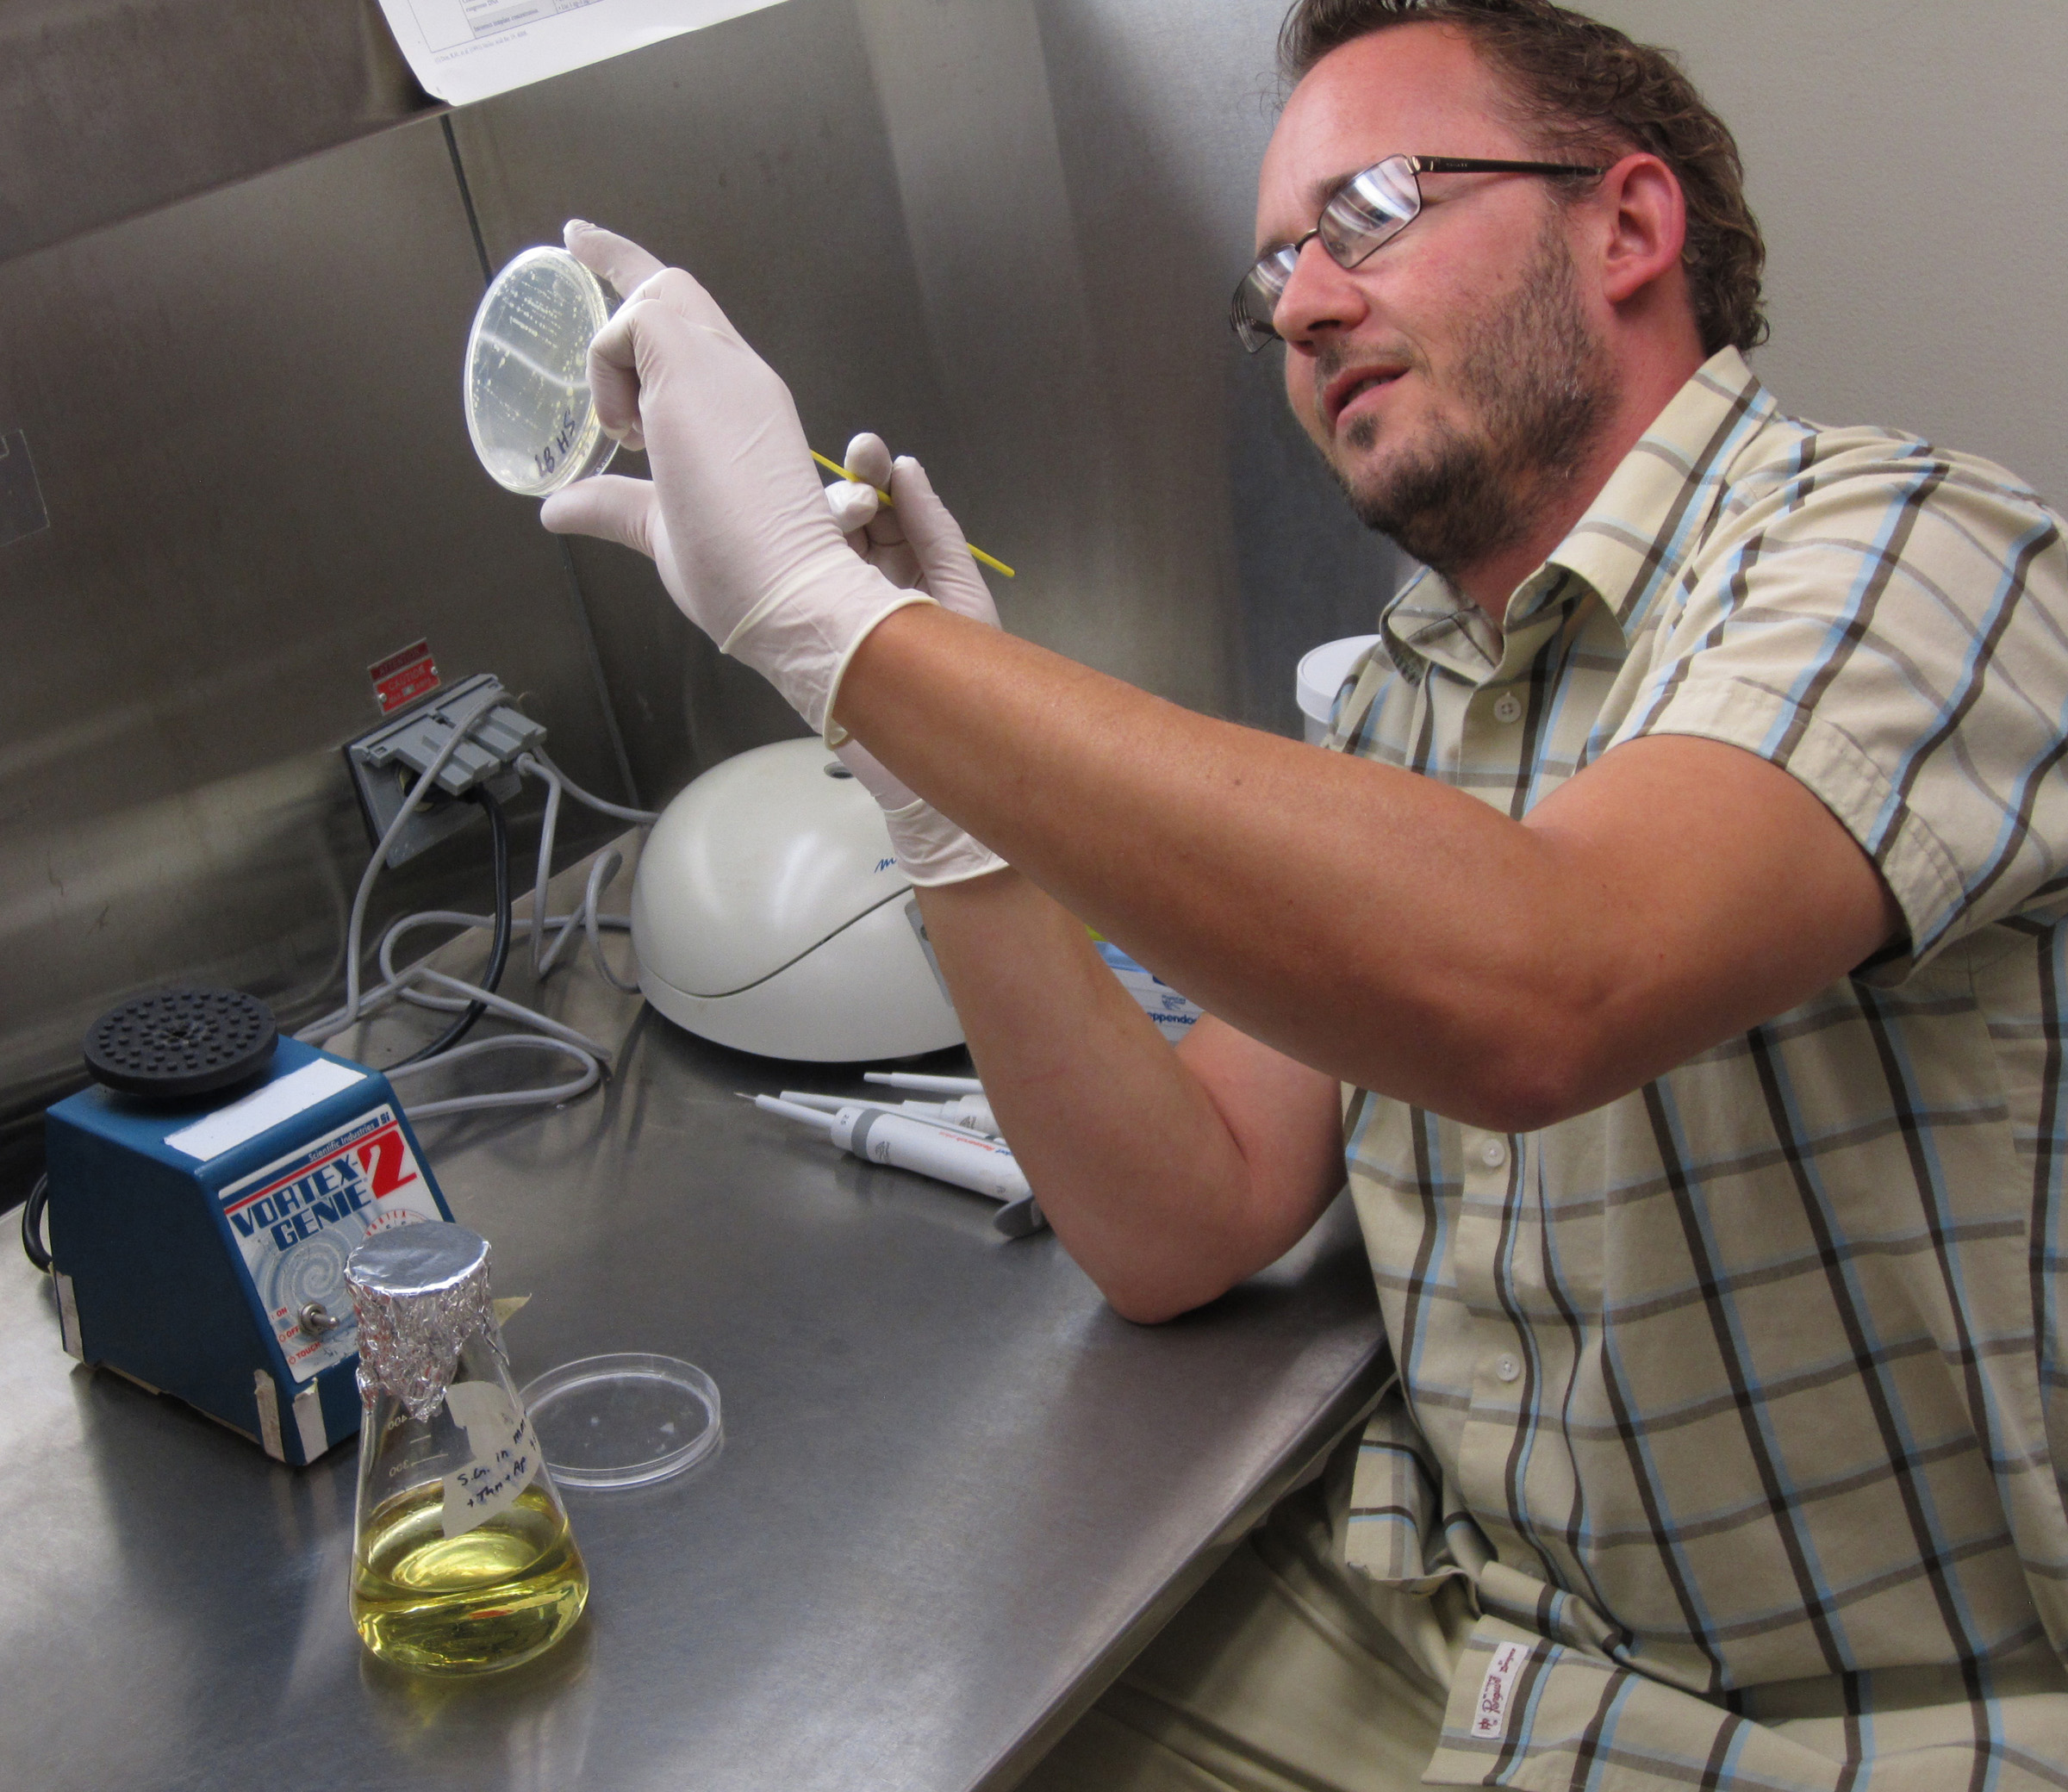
(530, 412)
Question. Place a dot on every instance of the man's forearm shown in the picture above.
(1144, 1179)
(1385, 928)
(1268, 881)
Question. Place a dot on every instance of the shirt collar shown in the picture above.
(1629, 543)
(1638, 533)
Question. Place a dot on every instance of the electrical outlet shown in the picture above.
(387, 762)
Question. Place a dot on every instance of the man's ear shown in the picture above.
(1645, 214)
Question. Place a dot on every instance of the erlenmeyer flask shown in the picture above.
(462, 1562)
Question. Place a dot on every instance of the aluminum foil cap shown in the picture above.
(420, 1293)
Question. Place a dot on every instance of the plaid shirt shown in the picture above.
(1742, 1401)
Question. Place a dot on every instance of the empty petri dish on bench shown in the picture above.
(623, 1421)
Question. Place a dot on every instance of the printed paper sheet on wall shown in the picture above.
(463, 50)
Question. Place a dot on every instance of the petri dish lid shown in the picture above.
(623, 1421)
(529, 410)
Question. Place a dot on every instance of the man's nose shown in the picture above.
(1320, 298)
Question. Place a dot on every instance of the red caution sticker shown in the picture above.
(402, 677)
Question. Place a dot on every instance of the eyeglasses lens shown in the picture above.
(1370, 210)
(1257, 298)
(1364, 214)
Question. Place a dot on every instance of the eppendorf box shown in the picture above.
(199, 1246)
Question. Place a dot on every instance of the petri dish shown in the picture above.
(529, 409)
(623, 1421)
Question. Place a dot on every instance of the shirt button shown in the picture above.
(1507, 1368)
(1494, 1154)
(1507, 708)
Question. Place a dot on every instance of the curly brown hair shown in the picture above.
(1584, 89)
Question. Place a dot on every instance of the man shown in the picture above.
(1675, 944)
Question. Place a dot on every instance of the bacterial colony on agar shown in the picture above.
(529, 408)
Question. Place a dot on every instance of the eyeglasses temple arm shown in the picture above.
(1473, 164)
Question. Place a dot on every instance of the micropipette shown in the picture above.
(926, 1085)
(879, 1134)
(971, 1107)
(970, 1112)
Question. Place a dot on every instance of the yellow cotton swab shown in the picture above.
(975, 552)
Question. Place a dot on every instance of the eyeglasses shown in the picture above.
(1362, 215)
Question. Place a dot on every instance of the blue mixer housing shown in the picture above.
(199, 1247)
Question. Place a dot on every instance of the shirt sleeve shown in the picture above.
(1889, 625)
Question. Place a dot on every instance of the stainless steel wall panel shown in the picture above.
(1079, 178)
(1163, 109)
(109, 108)
(754, 153)
(1002, 232)
(967, 101)
(244, 413)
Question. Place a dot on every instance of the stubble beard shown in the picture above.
(1541, 389)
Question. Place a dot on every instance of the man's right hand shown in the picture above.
(735, 517)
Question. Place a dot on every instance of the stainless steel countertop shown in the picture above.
(956, 1491)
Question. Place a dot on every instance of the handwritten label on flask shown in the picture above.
(505, 1456)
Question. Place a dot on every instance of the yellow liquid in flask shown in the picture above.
(497, 1596)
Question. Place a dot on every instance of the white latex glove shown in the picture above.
(872, 527)
(914, 541)
(734, 518)
(916, 544)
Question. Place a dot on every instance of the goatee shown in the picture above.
(1542, 387)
